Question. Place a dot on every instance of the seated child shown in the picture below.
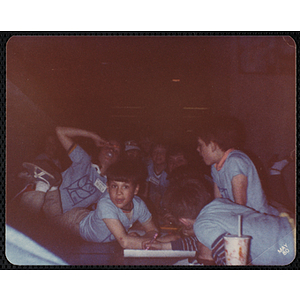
(281, 188)
(273, 237)
(133, 153)
(234, 174)
(145, 142)
(118, 209)
(157, 177)
(132, 150)
(176, 157)
(187, 189)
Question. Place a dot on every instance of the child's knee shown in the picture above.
(52, 206)
(32, 200)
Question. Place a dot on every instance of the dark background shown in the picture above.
(166, 85)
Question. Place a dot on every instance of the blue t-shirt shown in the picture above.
(238, 163)
(82, 183)
(93, 228)
(157, 183)
(272, 240)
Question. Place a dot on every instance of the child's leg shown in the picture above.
(69, 220)
(52, 205)
(32, 201)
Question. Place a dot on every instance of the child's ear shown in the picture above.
(137, 189)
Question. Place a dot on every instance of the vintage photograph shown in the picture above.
(150, 150)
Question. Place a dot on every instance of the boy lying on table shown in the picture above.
(118, 209)
(207, 222)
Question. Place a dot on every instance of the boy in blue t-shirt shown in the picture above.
(273, 237)
(81, 185)
(119, 209)
(157, 181)
(234, 174)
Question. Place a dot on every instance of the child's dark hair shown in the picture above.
(186, 199)
(177, 149)
(226, 132)
(158, 143)
(125, 171)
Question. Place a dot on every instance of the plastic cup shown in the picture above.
(237, 250)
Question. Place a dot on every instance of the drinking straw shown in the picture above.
(239, 225)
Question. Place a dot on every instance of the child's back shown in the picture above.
(270, 234)
(235, 164)
(234, 174)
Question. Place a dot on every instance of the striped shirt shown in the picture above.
(186, 244)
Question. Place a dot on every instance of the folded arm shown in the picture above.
(127, 241)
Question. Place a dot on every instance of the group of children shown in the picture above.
(101, 200)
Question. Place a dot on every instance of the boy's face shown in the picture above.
(206, 152)
(121, 193)
(176, 161)
(159, 155)
(110, 153)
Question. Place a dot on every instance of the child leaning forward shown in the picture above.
(272, 237)
(118, 209)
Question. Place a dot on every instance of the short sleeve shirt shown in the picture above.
(237, 163)
(93, 228)
(82, 184)
(270, 234)
(157, 183)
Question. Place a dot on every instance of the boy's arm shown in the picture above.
(203, 252)
(239, 189)
(126, 241)
(149, 228)
(217, 193)
(66, 135)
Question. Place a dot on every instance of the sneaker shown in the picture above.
(42, 170)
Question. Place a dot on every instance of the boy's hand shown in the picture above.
(100, 142)
(155, 245)
(204, 252)
(168, 238)
(188, 231)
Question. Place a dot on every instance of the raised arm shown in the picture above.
(126, 241)
(66, 135)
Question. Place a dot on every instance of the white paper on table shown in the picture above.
(158, 253)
